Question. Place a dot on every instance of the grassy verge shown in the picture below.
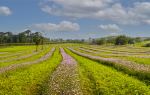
(29, 80)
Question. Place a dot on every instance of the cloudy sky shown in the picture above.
(76, 18)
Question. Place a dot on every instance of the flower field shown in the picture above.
(75, 69)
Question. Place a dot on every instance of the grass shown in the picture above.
(132, 57)
(14, 49)
(98, 79)
(29, 80)
(34, 57)
(141, 75)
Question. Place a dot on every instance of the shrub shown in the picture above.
(101, 41)
(121, 40)
(147, 45)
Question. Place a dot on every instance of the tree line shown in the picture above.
(23, 37)
(117, 40)
(37, 38)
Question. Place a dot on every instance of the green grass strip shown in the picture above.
(141, 75)
(34, 57)
(98, 79)
(29, 80)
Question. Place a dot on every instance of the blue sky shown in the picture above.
(76, 18)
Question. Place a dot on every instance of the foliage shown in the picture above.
(131, 41)
(23, 37)
(101, 41)
(147, 45)
(121, 40)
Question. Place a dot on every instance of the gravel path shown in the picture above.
(65, 80)
(128, 64)
(14, 66)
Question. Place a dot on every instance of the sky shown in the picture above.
(76, 19)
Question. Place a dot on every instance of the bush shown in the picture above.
(131, 41)
(101, 41)
(121, 40)
(147, 45)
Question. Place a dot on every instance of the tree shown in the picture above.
(101, 41)
(28, 35)
(121, 40)
(22, 37)
(138, 39)
(42, 42)
(37, 39)
(131, 41)
(110, 39)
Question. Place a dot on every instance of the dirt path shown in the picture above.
(65, 80)
(14, 66)
(128, 64)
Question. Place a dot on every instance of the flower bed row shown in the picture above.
(139, 70)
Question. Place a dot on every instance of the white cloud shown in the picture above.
(5, 11)
(65, 26)
(100, 9)
(110, 28)
(75, 8)
(147, 21)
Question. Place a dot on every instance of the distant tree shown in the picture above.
(22, 37)
(37, 39)
(15, 39)
(147, 39)
(93, 41)
(42, 42)
(110, 39)
(138, 39)
(82, 40)
(101, 41)
(131, 41)
(121, 40)
(28, 35)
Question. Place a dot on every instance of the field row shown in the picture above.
(65, 71)
(143, 58)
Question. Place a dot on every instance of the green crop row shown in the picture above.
(34, 57)
(29, 80)
(118, 50)
(97, 79)
(141, 75)
(140, 60)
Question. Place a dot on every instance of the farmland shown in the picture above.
(75, 69)
(74, 47)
